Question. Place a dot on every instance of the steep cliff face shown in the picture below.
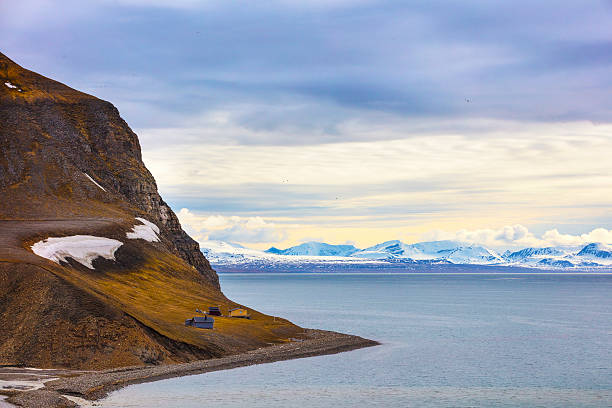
(54, 138)
(70, 166)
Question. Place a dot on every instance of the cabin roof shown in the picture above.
(201, 319)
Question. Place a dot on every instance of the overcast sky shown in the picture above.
(275, 122)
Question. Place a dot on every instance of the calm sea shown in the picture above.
(448, 341)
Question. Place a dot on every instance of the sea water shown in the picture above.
(478, 340)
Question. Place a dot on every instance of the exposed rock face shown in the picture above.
(52, 136)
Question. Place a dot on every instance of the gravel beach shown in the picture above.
(96, 385)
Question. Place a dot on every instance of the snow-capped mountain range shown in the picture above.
(449, 251)
(594, 255)
(316, 249)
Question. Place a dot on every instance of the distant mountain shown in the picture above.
(451, 251)
(560, 257)
(397, 253)
(534, 252)
(219, 252)
(224, 253)
(385, 250)
(315, 249)
(556, 263)
(597, 251)
(591, 255)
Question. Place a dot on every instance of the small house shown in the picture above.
(214, 311)
(201, 322)
(239, 312)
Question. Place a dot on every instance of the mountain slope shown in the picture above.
(70, 167)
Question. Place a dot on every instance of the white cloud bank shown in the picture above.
(229, 229)
(256, 230)
(530, 173)
(520, 236)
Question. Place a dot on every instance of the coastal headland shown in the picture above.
(97, 275)
(73, 386)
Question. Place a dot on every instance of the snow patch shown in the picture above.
(24, 385)
(148, 231)
(82, 248)
(4, 404)
(37, 369)
(9, 85)
(94, 181)
(81, 402)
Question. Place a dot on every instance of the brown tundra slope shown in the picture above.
(127, 311)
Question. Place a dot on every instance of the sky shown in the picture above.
(278, 122)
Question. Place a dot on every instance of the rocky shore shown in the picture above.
(96, 385)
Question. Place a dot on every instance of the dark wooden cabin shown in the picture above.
(201, 322)
(214, 311)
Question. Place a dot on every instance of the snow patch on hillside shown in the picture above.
(23, 385)
(82, 248)
(147, 231)
(94, 181)
(12, 86)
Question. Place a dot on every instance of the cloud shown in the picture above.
(179, 4)
(261, 233)
(597, 235)
(514, 236)
(329, 60)
(229, 229)
(489, 173)
(526, 173)
(407, 115)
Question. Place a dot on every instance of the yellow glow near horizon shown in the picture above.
(368, 192)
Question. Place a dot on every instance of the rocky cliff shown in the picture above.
(71, 167)
(53, 137)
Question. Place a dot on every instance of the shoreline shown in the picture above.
(97, 385)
